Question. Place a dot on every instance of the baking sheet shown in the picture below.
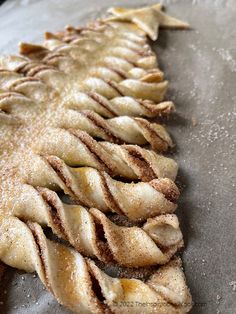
(201, 67)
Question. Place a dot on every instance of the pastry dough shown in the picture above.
(149, 19)
(119, 129)
(77, 148)
(118, 106)
(83, 287)
(67, 108)
(95, 235)
(93, 188)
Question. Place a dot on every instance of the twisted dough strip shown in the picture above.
(127, 52)
(57, 264)
(123, 35)
(31, 87)
(77, 148)
(127, 129)
(120, 129)
(80, 285)
(129, 106)
(107, 77)
(95, 188)
(95, 235)
(149, 87)
(12, 103)
(128, 62)
(118, 106)
(147, 21)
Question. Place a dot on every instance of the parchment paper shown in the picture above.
(201, 67)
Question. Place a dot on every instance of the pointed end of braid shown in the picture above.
(26, 48)
(49, 35)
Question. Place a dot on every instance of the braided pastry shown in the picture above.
(95, 235)
(118, 106)
(120, 129)
(149, 86)
(95, 188)
(56, 100)
(77, 148)
(83, 287)
(32, 87)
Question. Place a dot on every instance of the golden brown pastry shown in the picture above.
(83, 287)
(95, 235)
(120, 129)
(78, 149)
(93, 188)
(66, 109)
(118, 106)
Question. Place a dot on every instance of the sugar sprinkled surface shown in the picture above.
(200, 65)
